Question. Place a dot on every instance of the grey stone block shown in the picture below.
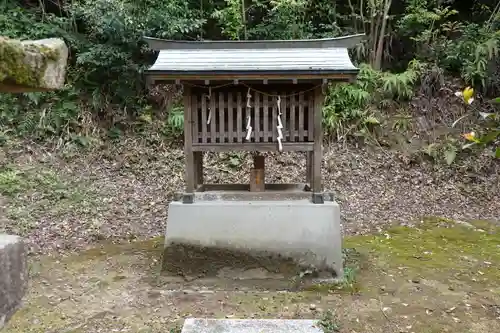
(196, 325)
(37, 65)
(13, 275)
(306, 232)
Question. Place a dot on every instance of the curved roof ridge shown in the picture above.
(349, 41)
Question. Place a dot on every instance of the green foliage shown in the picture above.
(114, 52)
(14, 181)
(426, 26)
(232, 19)
(488, 135)
(443, 152)
(41, 115)
(473, 54)
(106, 94)
(175, 121)
(285, 19)
(349, 108)
(329, 322)
(469, 49)
(107, 58)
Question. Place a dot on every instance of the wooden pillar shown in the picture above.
(198, 169)
(257, 174)
(309, 164)
(188, 148)
(317, 186)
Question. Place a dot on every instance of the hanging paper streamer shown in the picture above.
(280, 126)
(249, 129)
(249, 96)
(209, 110)
(249, 119)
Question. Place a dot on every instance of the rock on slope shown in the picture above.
(38, 65)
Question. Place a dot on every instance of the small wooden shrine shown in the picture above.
(257, 96)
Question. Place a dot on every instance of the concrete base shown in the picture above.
(13, 276)
(196, 325)
(307, 232)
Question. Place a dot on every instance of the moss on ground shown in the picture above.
(82, 287)
(437, 247)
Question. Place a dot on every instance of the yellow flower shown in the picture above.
(467, 94)
(471, 136)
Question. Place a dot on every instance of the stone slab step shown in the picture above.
(202, 325)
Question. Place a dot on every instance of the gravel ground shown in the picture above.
(66, 201)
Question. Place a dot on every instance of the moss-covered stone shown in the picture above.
(26, 63)
(12, 66)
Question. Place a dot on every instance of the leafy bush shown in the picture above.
(106, 93)
(488, 135)
(107, 57)
(350, 108)
(474, 54)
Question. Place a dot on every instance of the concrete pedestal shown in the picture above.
(198, 325)
(13, 276)
(299, 229)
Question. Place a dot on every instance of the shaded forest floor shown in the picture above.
(439, 276)
(69, 200)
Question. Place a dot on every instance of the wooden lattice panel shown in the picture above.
(228, 115)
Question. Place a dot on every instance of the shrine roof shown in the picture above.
(212, 59)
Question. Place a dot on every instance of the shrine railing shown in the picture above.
(241, 115)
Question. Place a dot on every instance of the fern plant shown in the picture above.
(475, 69)
(473, 54)
(174, 125)
(349, 108)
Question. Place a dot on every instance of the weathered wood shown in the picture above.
(237, 192)
(257, 174)
(222, 132)
(198, 168)
(230, 121)
(309, 164)
(268, 122)
(318, 138)
(274, 116)
(310, 117)
(273, 122)
(253, 146)
(248, 113)
(284, 118)
(213, 119)
(204, 115)
(229, 116)
(259, 161)
(195, 117)
(239, 118)
(272, 78)
(292, 118)
(301, 116)
(256, 116)
(188, 142)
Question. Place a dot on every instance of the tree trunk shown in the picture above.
(377, 64)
